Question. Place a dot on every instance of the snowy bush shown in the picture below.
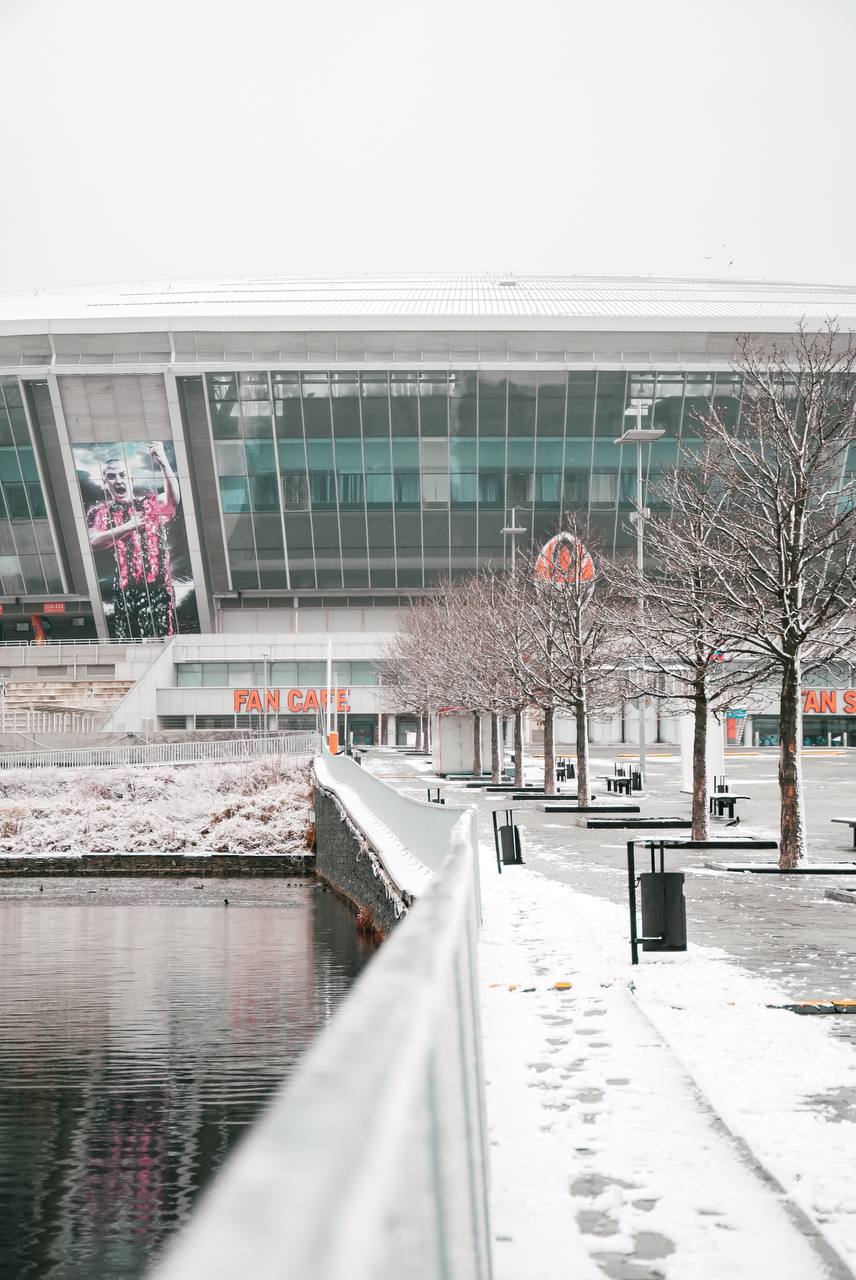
(259, 806)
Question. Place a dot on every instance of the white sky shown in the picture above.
(157, 139)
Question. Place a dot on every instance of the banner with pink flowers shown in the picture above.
(132, 499)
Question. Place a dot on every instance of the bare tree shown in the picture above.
(782, 550)
(576, 651)
(672, 617)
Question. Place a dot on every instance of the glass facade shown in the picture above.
(302, 674)
(399, 479)
(29, 561)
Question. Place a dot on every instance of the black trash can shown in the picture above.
(511, 846)
(664, 911)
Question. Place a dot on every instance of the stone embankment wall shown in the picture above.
(198, 865)
(350, 865)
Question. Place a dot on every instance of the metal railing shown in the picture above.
(423, 829)
(33, 720)
(293, 744)
(371, 1164)
(70, 641)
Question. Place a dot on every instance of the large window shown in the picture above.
(394, 478)
(29, 562)
(273, 674)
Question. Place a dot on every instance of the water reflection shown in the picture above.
(143, 1024)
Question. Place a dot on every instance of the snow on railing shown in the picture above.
(294, 744)
(423, 830)
(372, 1161)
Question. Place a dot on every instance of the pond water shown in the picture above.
(143, 1026)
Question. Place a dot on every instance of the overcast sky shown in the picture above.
(177, 139)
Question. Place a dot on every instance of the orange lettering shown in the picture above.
(828, 700)
(271, 699)
(342, 703)
(850, 702)
(811, 702)
(294, 701)
(254, 702)
(310, 702)
(324, 693)
(239, 699)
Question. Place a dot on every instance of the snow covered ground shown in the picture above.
(258, 806)
(659, 1121)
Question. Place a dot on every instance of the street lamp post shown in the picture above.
(513, 529)
(640, 435)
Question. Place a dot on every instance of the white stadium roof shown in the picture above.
(464, 301)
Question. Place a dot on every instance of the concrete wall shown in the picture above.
(346, 861)
(201, 865)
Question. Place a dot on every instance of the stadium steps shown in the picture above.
(99, 697)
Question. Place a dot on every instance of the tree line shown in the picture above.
(750, 583)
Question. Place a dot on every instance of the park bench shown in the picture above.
(619, 783)
(562, 807)
(721, 801)
(847, 822)
(634, 820)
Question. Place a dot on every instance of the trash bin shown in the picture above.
(664, 911)
(507, 841)
(511, 845)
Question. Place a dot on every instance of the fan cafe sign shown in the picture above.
(829, 702)
(297, 701)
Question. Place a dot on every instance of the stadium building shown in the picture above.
(250, 467)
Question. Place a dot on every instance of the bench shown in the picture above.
(618, 783)
(722, 800)
(847, 822)
(591, 808)
(648, 824)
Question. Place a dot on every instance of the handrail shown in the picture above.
(194, 752)
(372, 1162)
(423, 830)
(71, 640)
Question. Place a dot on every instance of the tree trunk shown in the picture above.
(518, 748)
(477, 760)
(582, 750)
(418, 733)
(701, 826)
(549, 753)
(495, 766)
(792, 846)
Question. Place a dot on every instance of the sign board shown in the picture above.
(564, 562)
(295, 701)
(53, 606)
(829, 702)
(739, 714)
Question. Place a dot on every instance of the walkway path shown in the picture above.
(629, 1112)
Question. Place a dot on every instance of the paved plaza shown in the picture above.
(667, 1120)
(780, 928)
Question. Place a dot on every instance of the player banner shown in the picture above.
(136, 529)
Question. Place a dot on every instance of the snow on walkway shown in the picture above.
(607, 1158)
(657, 1121)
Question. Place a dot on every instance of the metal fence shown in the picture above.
(371, 1164)
(29, 720)
(71, 641)
(293, 744)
